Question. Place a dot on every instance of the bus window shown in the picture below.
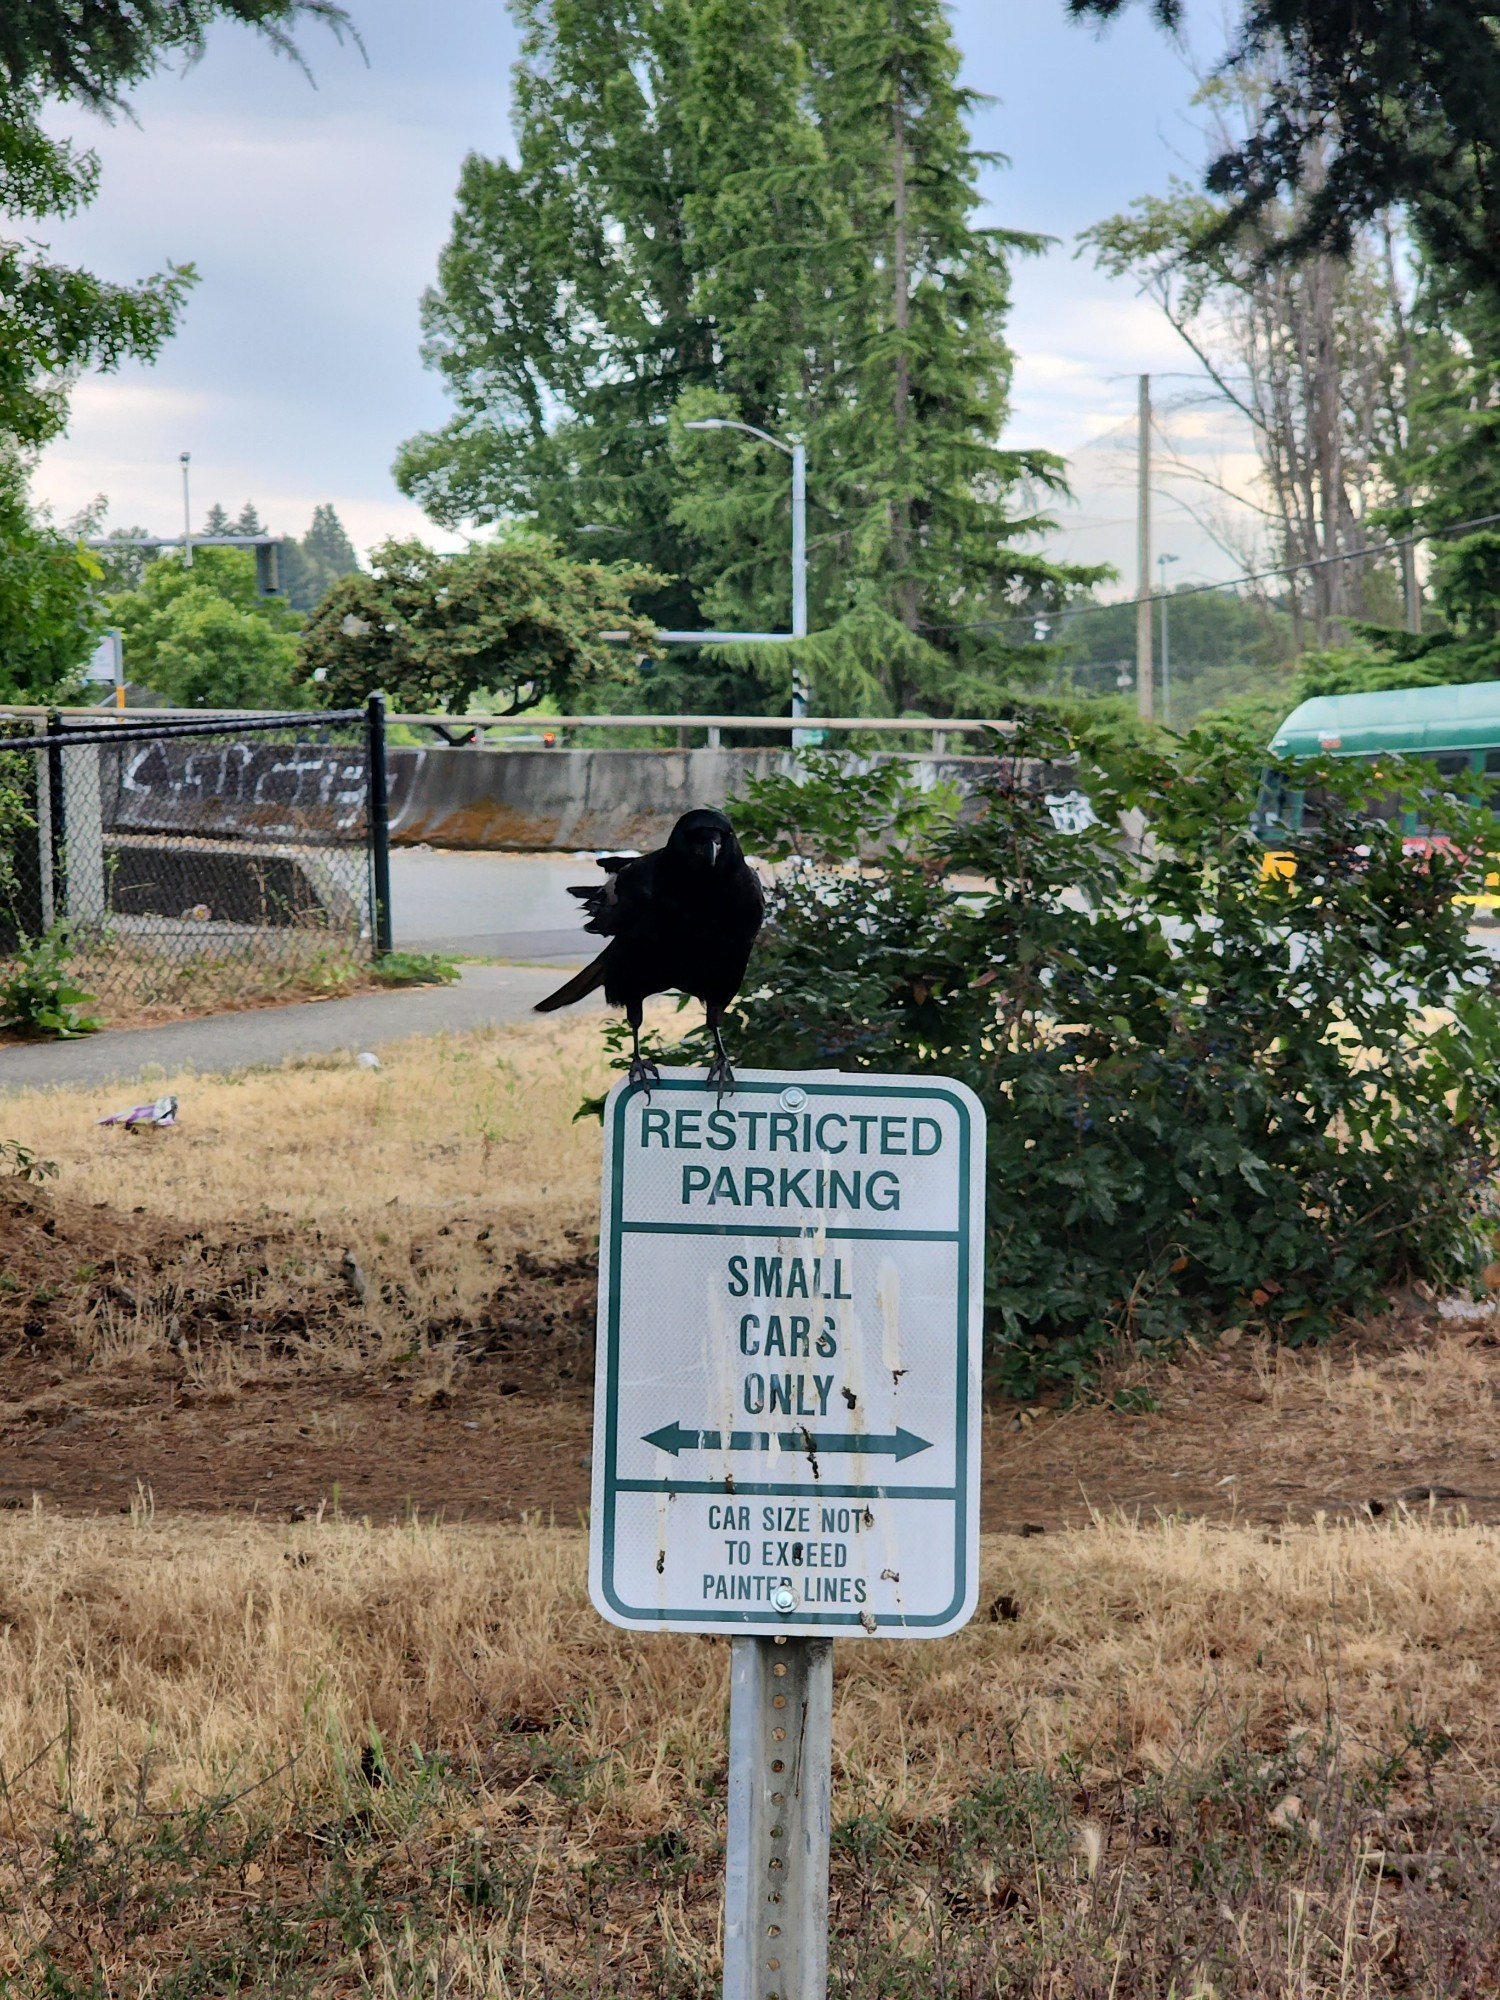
(1447, 764)
(1278, 810)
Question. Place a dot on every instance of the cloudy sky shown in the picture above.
(315, 215)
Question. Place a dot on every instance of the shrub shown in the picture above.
(1210, 1095)
(416, 968)
(38, 995)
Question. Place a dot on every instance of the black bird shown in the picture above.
(681, 919)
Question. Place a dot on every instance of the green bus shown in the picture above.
(1455, 728)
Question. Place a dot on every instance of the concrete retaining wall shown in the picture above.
(585, 798)
(450, 797)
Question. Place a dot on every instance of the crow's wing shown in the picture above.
(623, 898)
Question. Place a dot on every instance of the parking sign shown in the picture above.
(786, 1429)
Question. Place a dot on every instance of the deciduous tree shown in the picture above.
(1392, 102)
(511, 619)
(203, 638)
(50, 613)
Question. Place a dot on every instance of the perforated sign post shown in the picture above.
(786, 1428)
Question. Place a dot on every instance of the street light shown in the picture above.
(187, 514)
(1166, 644)
(797, 453)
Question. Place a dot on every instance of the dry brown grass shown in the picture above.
(214, 1652)
(148, 1665)
(480, 1121)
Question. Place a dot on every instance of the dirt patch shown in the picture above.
(266, 1368)
(246, 1368)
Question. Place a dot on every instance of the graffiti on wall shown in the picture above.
(264, 791)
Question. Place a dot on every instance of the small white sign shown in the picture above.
(107, 661)
(786, 1417)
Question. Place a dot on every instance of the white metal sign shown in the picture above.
(786, 1427)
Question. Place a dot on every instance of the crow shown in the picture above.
(682, 918)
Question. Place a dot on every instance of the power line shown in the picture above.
(1285, 569)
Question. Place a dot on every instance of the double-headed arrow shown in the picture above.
(898, 1444)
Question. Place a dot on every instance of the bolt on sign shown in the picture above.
(786, 1431)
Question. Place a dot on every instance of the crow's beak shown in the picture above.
(713, 851)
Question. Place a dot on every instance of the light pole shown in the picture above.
(1166, 644)
(797, 453)
(187, 515)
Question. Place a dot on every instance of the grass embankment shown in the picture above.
(346, 1215)
(330, 1759)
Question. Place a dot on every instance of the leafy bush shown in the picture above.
(1210, 1095)
(37, 995)
(21, 1163)
(416, 968)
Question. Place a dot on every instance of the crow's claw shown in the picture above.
(643, 1072)
(720, 1076)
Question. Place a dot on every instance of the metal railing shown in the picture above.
(803, 729)
(714, 726)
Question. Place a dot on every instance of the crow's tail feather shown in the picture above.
(580, 984)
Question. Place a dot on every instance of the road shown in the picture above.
(513, 906)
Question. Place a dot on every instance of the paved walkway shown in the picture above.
(219, 1042)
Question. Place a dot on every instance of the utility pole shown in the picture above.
(187, 515)
(799, 570)
(1144, 679)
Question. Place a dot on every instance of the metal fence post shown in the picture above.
(380, 822)
(57, 818)
(776, 1860)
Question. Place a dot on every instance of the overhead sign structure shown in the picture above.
(786, 1430)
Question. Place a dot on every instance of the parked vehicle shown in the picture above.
(1457, 729)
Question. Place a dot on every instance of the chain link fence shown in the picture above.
(192, 864)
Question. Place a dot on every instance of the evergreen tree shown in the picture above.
(327, 544)
(311, 567)
(217, 521)
(763, 212)
(249, 522)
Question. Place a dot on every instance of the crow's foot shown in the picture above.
(720, 1075)
(643, 1071)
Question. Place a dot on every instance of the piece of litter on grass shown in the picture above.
(162, 1112)
(367, 1059)
(1468, 1308)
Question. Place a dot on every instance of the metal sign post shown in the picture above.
(786, 1429)
(776, 1852)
